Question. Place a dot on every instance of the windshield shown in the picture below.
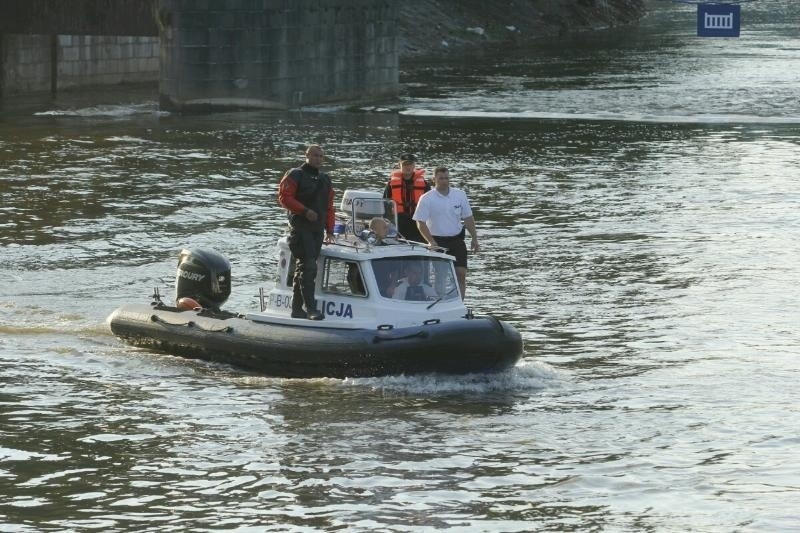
(415, 278)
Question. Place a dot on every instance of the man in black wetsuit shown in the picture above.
(307, 194)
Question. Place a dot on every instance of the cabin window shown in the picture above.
(342, 277)
(416, 278)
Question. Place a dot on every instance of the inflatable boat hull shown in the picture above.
(468, 345)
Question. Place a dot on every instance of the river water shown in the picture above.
(637, 202)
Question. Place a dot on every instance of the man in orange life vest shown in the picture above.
(406, 186)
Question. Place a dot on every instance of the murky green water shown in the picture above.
(637, 203)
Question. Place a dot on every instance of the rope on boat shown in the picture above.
(382, 338)
(192, 324)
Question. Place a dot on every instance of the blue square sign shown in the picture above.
(718, 20)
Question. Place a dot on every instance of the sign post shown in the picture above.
(718, 20)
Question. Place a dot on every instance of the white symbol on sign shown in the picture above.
(718, 22)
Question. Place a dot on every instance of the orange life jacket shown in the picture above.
(396, 184)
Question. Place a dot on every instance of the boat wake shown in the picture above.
(65, 327)
(525, 377)
(113, 111)
(35, 320)
(731, 118)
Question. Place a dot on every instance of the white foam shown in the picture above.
(630, 117)
(196, 155)
(104, 111)
(526, 376)
(127, 139)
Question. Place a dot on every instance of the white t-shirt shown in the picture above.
(443, 214)
(420, 292)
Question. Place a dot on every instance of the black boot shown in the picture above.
(311, 310)
(311, 302)
(297, 304)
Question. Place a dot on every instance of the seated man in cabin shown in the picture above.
(412, 288)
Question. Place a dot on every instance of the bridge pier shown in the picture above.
(2, 70)
(275, 53)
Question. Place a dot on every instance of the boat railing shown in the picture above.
(359, 208)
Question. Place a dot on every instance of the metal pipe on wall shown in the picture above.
(2, 66)
(53, 64)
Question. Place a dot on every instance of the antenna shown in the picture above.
(156, 298)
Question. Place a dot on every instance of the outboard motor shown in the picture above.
(204, 275)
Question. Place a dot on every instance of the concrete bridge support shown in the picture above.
(275, 53)
(47, 44)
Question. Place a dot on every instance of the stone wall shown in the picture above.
(80, 60)
(271, 53)
(26, 63)
(107, 60)
(276, 53)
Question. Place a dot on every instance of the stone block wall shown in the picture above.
(25, 63)
(81, 60)
(101, 60)
(276, 53)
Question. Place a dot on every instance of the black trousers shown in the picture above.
(305, 245)
(455, 246)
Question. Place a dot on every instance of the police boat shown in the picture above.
(390, 307)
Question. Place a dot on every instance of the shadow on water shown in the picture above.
(121, 444)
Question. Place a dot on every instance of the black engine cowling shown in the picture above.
(205, 275)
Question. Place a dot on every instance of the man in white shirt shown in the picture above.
(441, 215)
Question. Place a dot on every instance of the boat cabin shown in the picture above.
(366, 279)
